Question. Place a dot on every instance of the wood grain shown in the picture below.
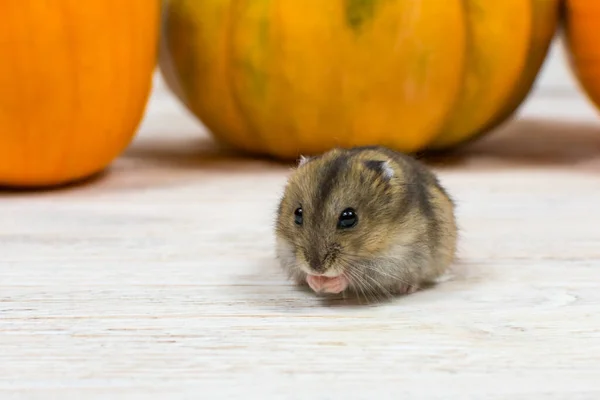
(157, 279)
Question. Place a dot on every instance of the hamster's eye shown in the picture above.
(348, 219)
(298, 216)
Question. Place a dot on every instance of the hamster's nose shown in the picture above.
(316, 265)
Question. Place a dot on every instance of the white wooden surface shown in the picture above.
(158, 280)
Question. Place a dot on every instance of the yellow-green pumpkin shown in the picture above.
(284, 78)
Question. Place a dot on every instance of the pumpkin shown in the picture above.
(288, 78)
(581, 36)
(75, 78)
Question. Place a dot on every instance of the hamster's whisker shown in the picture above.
(376, 267)
(371, 265)
(387, 274)
(369, 292)
(360, 279)
(358, 283)
(372, 286)
(382, 288)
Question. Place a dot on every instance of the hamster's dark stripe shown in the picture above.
(424, 199)
(417, 190)
(327, 183)
(329, 179)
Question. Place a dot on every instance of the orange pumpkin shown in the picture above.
(75, 77)
(581, 22)
(285, 78)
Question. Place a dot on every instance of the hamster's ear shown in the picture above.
(303, 160)
(381, 167)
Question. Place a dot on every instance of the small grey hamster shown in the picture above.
(367, 220)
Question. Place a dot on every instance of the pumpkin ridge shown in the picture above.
(495, 62)
(543, 28)
(295, 136)
(254, 133)
(258, 82)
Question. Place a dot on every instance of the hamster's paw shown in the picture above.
(324, 284)
(405, 288)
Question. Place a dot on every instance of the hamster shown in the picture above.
(367, 220)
